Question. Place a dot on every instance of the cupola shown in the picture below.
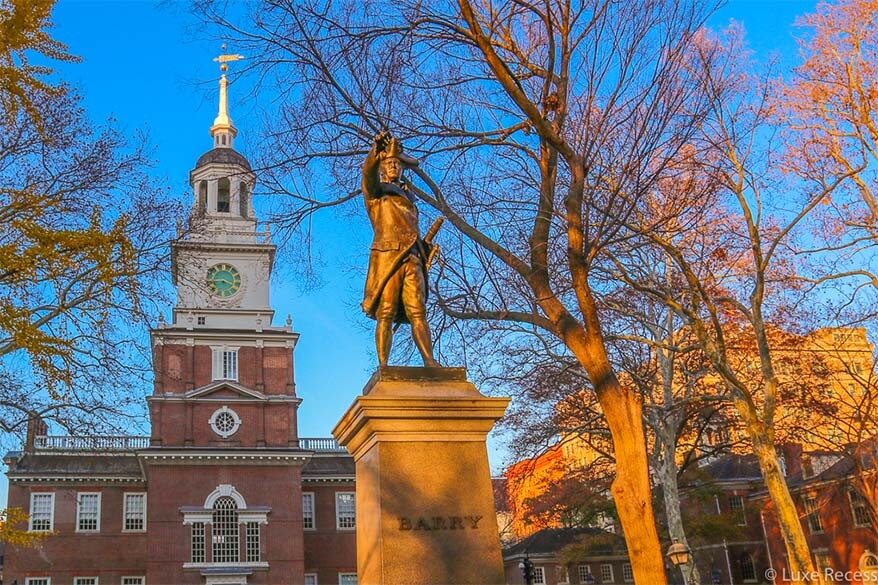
(222, 180)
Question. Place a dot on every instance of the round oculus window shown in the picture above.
(225, 422)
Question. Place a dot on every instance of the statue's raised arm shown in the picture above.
(371, 166)
(396, 282)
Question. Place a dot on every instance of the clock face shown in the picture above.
(223, 280)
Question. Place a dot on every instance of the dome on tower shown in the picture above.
(222, 155)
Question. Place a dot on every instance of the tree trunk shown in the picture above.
(631, 489)
(668, 477)
(798, 552)
(623, 410)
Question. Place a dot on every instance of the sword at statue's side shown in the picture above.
(428, 239)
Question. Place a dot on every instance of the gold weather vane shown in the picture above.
(223, 130)
(224, 59)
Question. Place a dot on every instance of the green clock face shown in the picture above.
(223, 280)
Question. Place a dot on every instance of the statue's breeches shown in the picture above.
(403, 296)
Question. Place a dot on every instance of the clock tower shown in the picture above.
(224, 464)
(221, 266)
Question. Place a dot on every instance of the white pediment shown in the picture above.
(222, 388)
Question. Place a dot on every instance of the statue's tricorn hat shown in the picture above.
(394, 150)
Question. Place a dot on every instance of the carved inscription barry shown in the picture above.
(439, 523)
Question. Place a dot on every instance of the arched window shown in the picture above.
(869, 566)
(222, 196)
(201, 201)
(245, 199)
(226, 532)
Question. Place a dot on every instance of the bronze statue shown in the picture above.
(396, 283)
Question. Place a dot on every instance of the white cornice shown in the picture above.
(268, 337)
(328, 478)
(213, 457)
(15, 477)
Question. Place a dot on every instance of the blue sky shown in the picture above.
(148, 66)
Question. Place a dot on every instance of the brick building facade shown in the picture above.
(223, 491)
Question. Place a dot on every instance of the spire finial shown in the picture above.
(223, 131)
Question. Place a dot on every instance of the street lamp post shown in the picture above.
(679, 554)
(527, 570)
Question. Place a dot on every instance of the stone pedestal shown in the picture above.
(425, 504)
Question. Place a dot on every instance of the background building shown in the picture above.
(223, 491)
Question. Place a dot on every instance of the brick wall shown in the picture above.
(173, 486)
(329, 551)
(183, 367)
(110, 553)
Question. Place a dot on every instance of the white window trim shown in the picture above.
(38, 580)
(811, 502)
(314, 582)
(612, 578)
(141, 578)
(217, 362)
(78, 508)
(125, 497)
(224, 434)
(313, 512)
(630, 570)
(345, 574)
(741, 513)
(580, 572)
(338, 516)
(539, 576)
(51, 513)
(853, 505)
(97, 581)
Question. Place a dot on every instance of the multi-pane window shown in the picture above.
(822, 561)
(225, 364)
(198, 548)
(310, 578)
(88, 512)
(345, 511)
(308, 510)
(133, 580)
(815, 523)
(539, 576)
(627, 573)
(252, 540)
(347, 579)
(584, 573)
(606, 573)
(860, 509)
(85, 581)
(38, 581)
(42, 512)
(736, 504)
(134, 506)
(748, 569)
(225, 531)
